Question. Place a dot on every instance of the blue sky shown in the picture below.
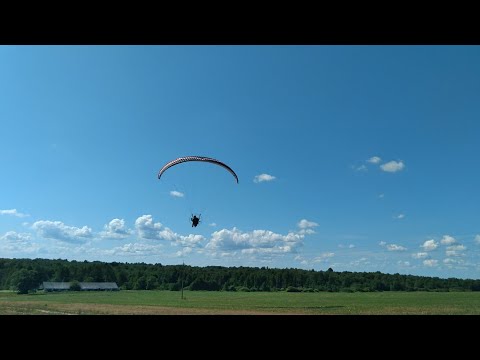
(359, 158)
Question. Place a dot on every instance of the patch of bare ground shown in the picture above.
(30, 308)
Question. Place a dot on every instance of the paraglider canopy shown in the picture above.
(196, 158)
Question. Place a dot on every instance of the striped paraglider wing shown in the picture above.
(195, 158)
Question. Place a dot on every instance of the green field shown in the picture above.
(212, 302)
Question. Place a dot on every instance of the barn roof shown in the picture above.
(98, 285)
(50, 285)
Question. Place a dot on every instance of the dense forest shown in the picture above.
(24, 275)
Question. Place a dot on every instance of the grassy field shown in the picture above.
(204, 302)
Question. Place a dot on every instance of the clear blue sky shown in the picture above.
(359, 158)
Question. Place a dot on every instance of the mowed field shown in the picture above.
(242, 303)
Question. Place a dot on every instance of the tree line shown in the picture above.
(24, 275)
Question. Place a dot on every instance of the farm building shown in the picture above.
(84, 286)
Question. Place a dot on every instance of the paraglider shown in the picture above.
(196, 158)
(194, 219)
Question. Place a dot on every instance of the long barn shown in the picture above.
(84, 286)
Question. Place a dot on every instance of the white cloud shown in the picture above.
(350, 246)
(392, 166)
(254, 242)
(381, 196)
(115, 229)
(451, 262)
(323, 257)
(420, 255)
(448, 240)
(148, 229)
(185, 251)
(430, 262)
(212, 224)
(19, 242)
(137, 249)
(455, 250)
(458, 247)
(374, 160)
(306, 227)
(392, 247)
(403, 263)
(304, 224)
(429, 245)
(399, 216)
(57, 230)
(263, 177)
(395, 247)
(175, 193)
(477, 239)
(361, 168)
(13, 212)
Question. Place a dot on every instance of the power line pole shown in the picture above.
(183, 276)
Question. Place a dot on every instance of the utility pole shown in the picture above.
(183, 276)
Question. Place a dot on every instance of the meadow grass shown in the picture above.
(212, 302)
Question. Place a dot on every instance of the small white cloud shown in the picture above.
(403, 263)
(458, 247)
(361, 168)
(175, 193)
(374, 160)
(381, 196)
(395, 247)
(212, 224)
(351, 246)
(420, 255)
(263, 177)
(399, 216)
(392, 247)
(450, 261)
(57, 230)
(323, 257)
(429, 245)
(115, 229)
(185, 251)
(13, 212)
(455, 250)
(477, 239)
(448, 240)
(430, 262)
(305, 224)
(150, 230)
(392, 166)
(137, 249)
(19, 242)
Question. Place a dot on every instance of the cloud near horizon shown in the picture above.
(149, 230)
(259, 242)
(115, 229)
(57, 230)
(21, 242)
